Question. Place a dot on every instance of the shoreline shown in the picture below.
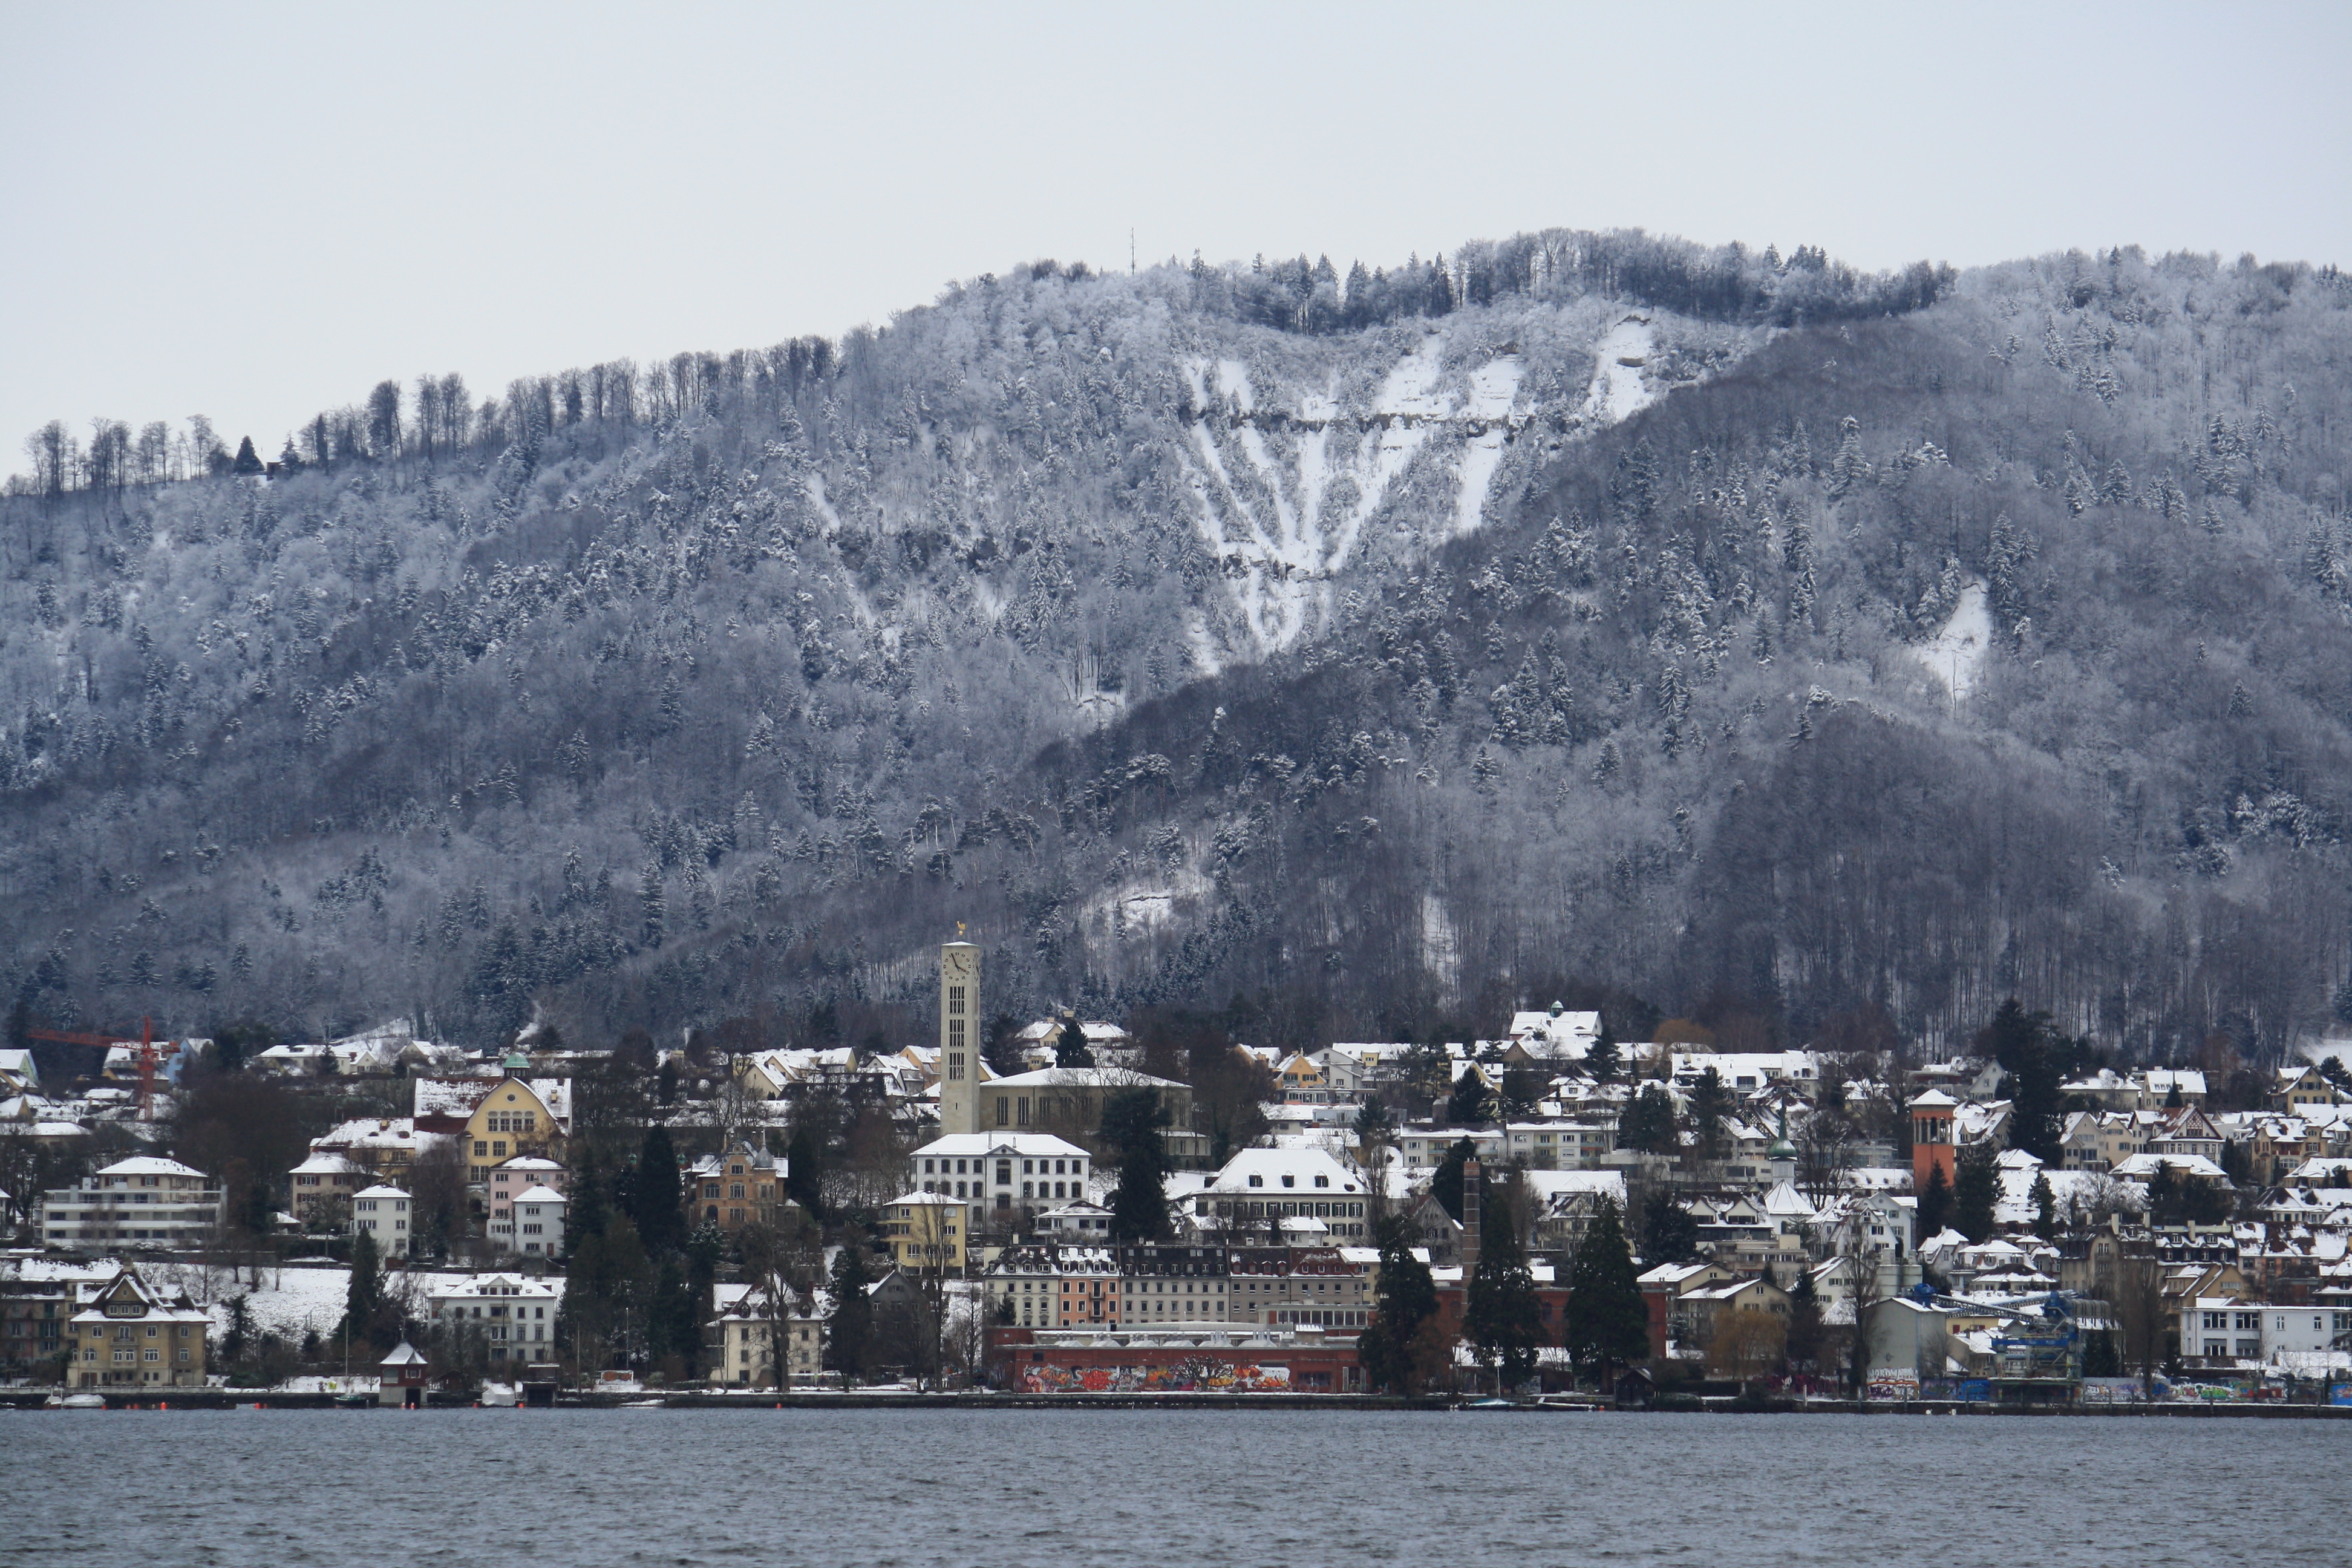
(262, 1400)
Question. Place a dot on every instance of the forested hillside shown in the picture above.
(1806, 651)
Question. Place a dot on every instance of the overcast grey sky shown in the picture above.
(255, 211)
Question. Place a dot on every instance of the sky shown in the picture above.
(255, 211)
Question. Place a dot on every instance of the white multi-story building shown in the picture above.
(513, 1314)
(2304, 1331)
(143, 1202)
(538, 1223)
(1003, 1171)
(381, 1213)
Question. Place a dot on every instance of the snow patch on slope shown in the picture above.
(1286, 515)
(1955, 654)
(1617, 390)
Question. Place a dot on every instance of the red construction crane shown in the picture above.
(148, 1058)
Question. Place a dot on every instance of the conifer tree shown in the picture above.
(1935, 1204)
(1976, 1193)
(1131, 1119)
(1500, 1316)
(364, 1295)
(655, 1202)
(849, 1332)
(1606, 1322)
(1405, 1299)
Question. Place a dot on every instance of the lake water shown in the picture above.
(1009, 1489)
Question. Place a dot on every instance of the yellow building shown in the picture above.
(132, 1335)
(512, 1119)
(927, 1232)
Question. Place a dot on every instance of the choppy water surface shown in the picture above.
(1008, 1488)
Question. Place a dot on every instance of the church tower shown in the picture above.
(958, 1038)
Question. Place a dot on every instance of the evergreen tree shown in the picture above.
(2045, 1208)
(1606, 1322)
(1471, 1104)
(1648, 1122)
(1070, 1048)
(804, 1174)
(247, 461)
(1605, 1059)
(1445, 1182)
(1501, 1317)
(363, 1302)
(1524, 1088)
(1669, 1232)
(849, 1332)
(1807, 1333)
(1404, 1299)
(1710, 1105)
(1131, 1120)
(656, 1203)
(1935, 1204)
(1976, 1192)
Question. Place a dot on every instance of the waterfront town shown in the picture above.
(1073, 1206)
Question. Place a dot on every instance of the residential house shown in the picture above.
(383, 1147)
(748, 1330)
(2300, 1332)
(322, 1188)
(132, 1334)
(19, 1074)
(2217, 1330)
(1559, 1144)
(381, 1213)
(539, 1222)
(927, 1233)
(1663, 1288)
(1258, 1187)
(737, 1187)
(142, 1203)
(1554, 1033)
(1080, 1222)
(511, 1315)
(2292, 1087)
(509, 1181)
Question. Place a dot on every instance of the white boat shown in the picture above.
(80, 1402)
(501, 1395)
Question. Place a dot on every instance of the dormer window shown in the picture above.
(1258, 1181)
(1322, 1181)
(1289, 1181)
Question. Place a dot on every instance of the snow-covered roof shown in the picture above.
(325, 1165)
(382, 1190)
(478, 1287)
(539, 1196)
(1277, 1171)
(2144, 1166)
(150, 1165)
(1933, 1097)
(1032, 1145)
(1086, 1078)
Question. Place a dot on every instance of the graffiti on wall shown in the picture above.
(1197, 1376)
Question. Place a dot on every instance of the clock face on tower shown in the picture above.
(959, 965)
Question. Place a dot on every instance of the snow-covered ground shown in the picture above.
(1619, 391)
(1955, 654)
(292, 1301)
